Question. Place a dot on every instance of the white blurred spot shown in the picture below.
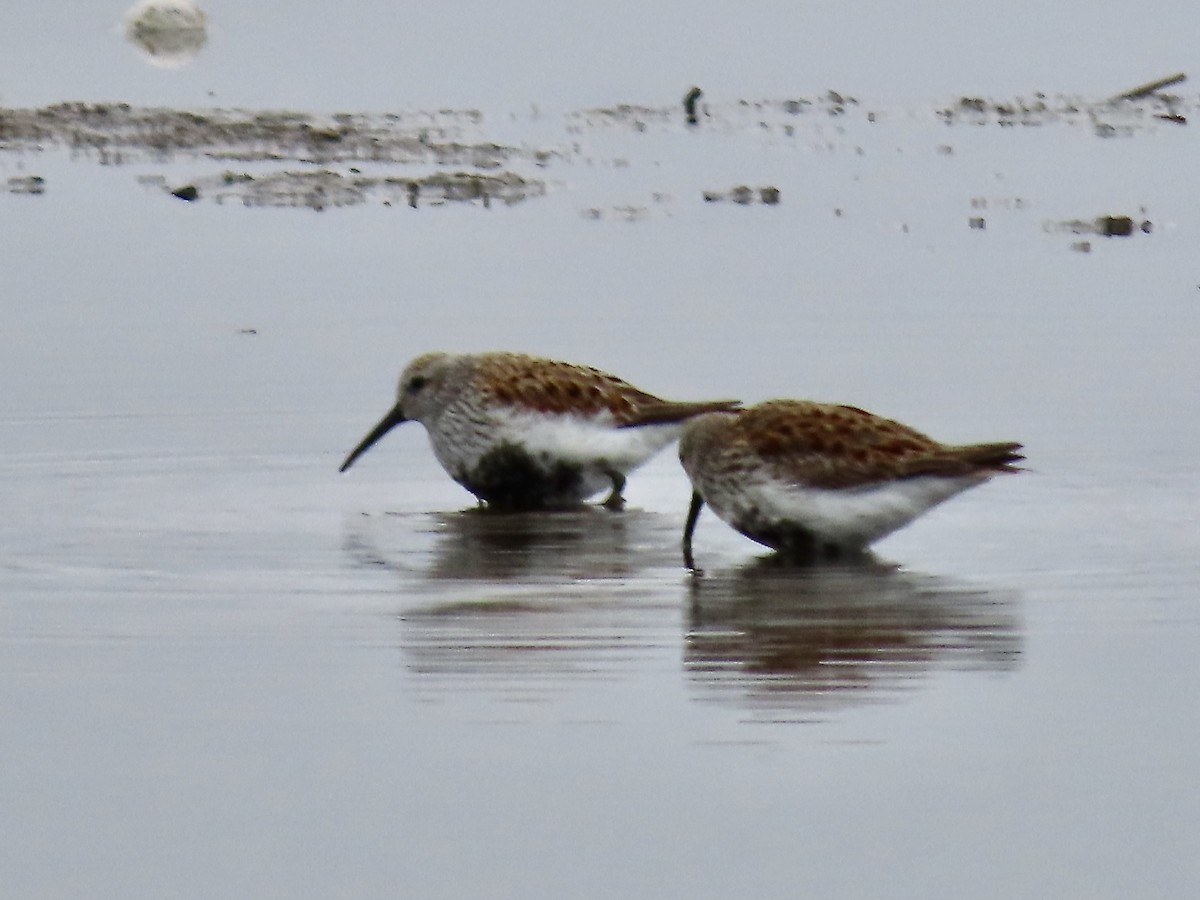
(169, 33)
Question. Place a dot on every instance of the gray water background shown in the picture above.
(227, 670)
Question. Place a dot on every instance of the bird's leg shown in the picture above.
(690, 526)
(614, 501)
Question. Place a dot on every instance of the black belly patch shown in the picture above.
(508, 477)
(791, 541)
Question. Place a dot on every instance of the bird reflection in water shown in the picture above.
(583, 544)
(538, 547)
(773, 637)
(520, 604)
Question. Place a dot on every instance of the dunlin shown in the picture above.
(817, 480)
(521, 432)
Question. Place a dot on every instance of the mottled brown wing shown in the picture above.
(829, 446)
(549, 386)
(671, 412)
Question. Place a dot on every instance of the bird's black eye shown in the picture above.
(416, 383)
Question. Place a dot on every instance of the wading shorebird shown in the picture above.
(815, 480)
(520, 432)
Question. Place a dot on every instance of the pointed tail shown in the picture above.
(1000, 457)
(671, 413)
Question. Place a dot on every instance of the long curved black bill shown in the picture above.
(386, 424)
(689, 527)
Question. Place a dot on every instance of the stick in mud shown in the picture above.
(689, 105)
(1150, 87)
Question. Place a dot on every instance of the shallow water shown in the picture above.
(225, 669)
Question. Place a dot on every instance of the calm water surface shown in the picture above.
(227, 670)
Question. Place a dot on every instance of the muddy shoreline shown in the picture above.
(418, 158)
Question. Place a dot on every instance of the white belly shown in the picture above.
(850, 517)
